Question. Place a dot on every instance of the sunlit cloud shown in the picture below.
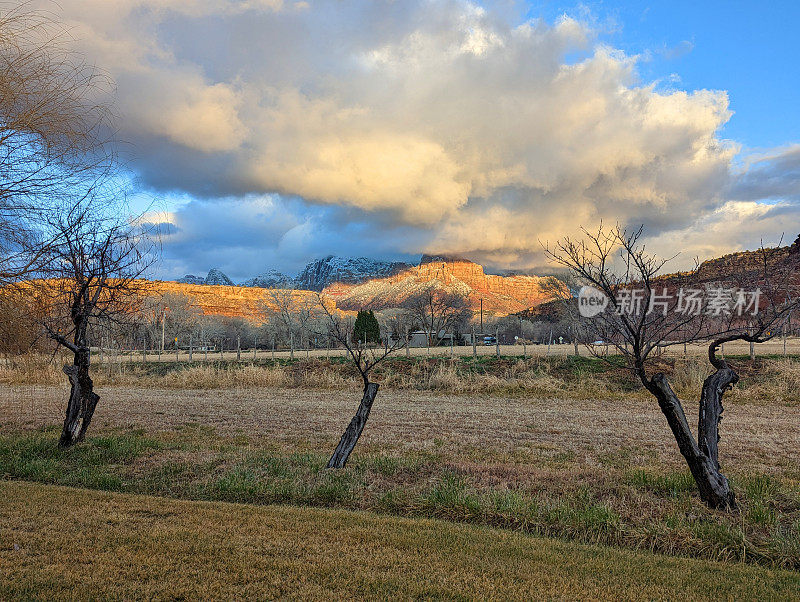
(471, 134)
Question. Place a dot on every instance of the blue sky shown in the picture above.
(750, 49)
(273, 132)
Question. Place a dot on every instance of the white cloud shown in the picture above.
(735, 225)
(437, 114)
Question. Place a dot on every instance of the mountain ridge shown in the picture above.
(353, 283)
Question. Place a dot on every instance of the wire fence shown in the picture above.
(776, 347)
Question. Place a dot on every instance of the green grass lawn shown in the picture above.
(64, 543)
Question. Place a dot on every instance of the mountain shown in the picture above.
(270, 279)
(356, 283)
(230, 301)
(191, 279)
(353, 283)
(500, 295)
(321, 273)
(216, 277)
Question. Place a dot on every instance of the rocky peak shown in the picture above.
(351, 270)
(270, 279)
(443, 259)
(191, 279)
(217, 277)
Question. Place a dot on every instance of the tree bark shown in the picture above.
(355, 428)
(82, 400)
(714, 388)
(712, 484)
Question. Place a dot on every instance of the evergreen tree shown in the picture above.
(366, 325)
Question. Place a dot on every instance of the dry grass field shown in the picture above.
(142, 547)
(569, 449)
(516, 429)
(774, 347)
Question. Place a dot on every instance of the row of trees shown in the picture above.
(293, 320)
(164, 322)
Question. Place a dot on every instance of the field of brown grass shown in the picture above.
(771, 381)
(565, 451)
(774, 347)
(142, 547)
(496, 429)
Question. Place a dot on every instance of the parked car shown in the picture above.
(489, 341)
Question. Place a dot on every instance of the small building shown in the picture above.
(420, 338)
(480, 338)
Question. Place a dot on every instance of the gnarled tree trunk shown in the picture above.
(354, 429)
(82, 400)
(701, 458)
(711, 409)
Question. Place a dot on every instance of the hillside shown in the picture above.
(354, 283)
(501, 295)
(231, 301)
(745, 268)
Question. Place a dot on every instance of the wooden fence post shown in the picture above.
(474, 344)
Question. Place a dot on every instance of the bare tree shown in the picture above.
(646, 313)
(280, 308)
(438, 310)
(53, 150)
(398, 322)
(364, 358)
(94, 272)
(179, 318)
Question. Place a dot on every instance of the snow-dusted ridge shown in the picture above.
(314, 277)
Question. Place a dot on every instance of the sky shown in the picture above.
(263, 134)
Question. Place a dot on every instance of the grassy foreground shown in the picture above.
(623, 503)
(62, 543)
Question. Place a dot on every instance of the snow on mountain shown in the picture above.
(191, 279)
(270, 279)
(216, 276)
(350, 270)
